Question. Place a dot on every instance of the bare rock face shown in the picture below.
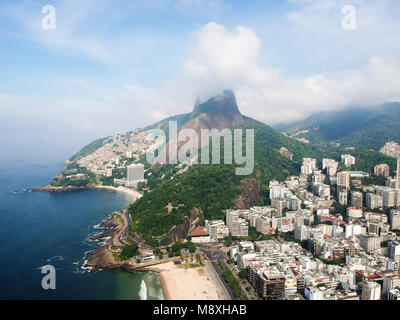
(391, 149)
(190, 223)
(286, 153)
(219, 112)
(102, 259)
(250, 194)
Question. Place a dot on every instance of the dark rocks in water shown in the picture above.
(102, 258)
(104, 234)
(50, 188)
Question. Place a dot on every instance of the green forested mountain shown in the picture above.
(210, 189)
(355, 127)
(177, 199)
(88, 149)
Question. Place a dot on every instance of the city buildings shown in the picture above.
(394, 251)
(308, 166)
(216, 229)
(370, 291)
(342, 256)
(394, 219)
(199, 235)
(330, 166)
(357, 199)
(370, 242)
(398, 173)
(343, 179)
(382, 170)
(374, 201)
(237, 227)
(348, 160)
(135, 174)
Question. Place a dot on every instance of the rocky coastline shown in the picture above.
(50, 188)
(102, 258)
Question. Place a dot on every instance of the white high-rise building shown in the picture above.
(398, 173)
(216, 229)
(330, 165)
(390, 283)
(370, 242)
(343, 179)
(374, 201)
(394, 250)
(394, 219)
(390, 196)
(352, 230)
(357, 199)
(308, 166)
(348, 160)
(371, 291)
(277, 192)
(382, 169)
(343, 197)
(135, 174)
(300, 232)
(232, 221)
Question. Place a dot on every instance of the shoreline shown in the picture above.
(128, 191)
(164, 287)
(131, 192)
(182, 283)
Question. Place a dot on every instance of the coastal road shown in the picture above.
(117, 239)
(221, 290)
(212, 259)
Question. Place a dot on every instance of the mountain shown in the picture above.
(181, 198)
(355, 127)
(218, 112)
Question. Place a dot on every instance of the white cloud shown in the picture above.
(229, 59)
(220, 58)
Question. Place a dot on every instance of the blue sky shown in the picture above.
(111, 66)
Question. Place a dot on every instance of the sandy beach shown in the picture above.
(131, 192)
(181, 283)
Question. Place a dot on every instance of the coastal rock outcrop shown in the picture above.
(50, 188)
(102, 258)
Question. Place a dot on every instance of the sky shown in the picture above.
(111, 66)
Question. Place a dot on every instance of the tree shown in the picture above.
(129, 251)
(243, 273)
(228, 241)
(190, 246)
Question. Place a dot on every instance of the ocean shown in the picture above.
(38, 229)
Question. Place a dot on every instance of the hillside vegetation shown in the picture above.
(356, 127)
(214, 188)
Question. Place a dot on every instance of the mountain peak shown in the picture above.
(223, 104)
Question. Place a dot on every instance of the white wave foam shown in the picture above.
(143, 291)
(59, 258)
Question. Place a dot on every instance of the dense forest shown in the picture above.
(355, 127)
(213, 188)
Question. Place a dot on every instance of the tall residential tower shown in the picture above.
(398, 173)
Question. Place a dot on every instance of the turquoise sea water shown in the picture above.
(37, 229)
